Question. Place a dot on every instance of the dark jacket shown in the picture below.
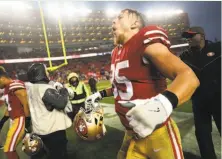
(53, 98)
(206, 64)
(92, 82)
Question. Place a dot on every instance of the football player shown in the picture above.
(2, 122)
(17, 107)
(140, 62)
(5, 117)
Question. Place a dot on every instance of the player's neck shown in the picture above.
(129, 35)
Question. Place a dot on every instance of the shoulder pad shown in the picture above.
(154, 34)
(16, 85)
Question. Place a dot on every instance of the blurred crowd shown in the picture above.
(97, 67)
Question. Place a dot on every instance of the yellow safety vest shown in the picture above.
(80, 93)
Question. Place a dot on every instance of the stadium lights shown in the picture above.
(170, 12)
(21, 5)
(53, 10)
(178, 11)
(69, 10)
(14, 5)
(56, 9)
(159, 13)
(84, 11)
(111, 12)
(149, 14)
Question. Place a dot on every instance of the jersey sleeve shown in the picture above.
(113, 54)
(154, 34)
(16, 85)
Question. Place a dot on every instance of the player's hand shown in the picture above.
(68, 107)
(27, 135)
(58, 85)
(147, 114)
(92, 100)
(71, 93)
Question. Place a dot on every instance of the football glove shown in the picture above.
(70, 92)
(68, 107)
(147, 114)
(91, 100)
(58, 85)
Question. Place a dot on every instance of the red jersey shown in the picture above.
(133, 76)
(15, 107)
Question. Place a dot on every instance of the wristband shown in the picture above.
(171, 97)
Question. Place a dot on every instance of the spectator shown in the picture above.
(80, 93)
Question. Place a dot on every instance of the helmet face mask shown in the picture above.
(88, 123)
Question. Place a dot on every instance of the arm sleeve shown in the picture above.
(55, 99)
(16, 85)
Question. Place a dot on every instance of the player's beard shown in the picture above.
(118, 39)
(115, 41)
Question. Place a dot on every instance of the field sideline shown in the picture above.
(107, 147)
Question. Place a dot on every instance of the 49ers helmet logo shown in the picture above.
(209, 54)
(81, 127)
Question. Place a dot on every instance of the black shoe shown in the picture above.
(1, 147)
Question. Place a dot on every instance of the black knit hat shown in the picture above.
(37, 73)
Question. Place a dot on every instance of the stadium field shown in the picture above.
(107, 147)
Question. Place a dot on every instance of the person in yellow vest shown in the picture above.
(80, 93)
